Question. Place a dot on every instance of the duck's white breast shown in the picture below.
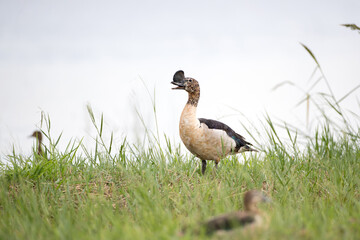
(205, 143)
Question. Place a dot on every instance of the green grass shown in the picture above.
(151, 190)
(154, 193)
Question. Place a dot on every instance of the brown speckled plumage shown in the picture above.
(193, 89)
(38, 136)
(250, 217)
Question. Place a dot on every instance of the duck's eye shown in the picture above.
(190, 80)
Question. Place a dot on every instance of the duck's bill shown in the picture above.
(179, 85)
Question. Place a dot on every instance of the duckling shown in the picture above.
(250, 218)
(205, 138)
(38, 136)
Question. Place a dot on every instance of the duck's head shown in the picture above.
(37, 135)
(188, 84)
(252, 198)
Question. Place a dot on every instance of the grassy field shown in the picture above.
(155, 191)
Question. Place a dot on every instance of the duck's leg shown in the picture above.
(203, 167)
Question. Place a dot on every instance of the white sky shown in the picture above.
(57, 56)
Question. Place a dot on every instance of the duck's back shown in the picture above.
(204, 142)
(230, 221)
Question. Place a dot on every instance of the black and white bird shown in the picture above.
(205, 138)
(251, 217)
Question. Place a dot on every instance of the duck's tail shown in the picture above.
(247, 148)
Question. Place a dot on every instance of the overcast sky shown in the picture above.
(59, 56)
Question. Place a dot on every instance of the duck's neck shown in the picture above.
(189, 111)
(194, 98)
(252, 207)
(39, 150)
(188, 119)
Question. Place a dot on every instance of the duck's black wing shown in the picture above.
(240, 140)
(228, 222)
